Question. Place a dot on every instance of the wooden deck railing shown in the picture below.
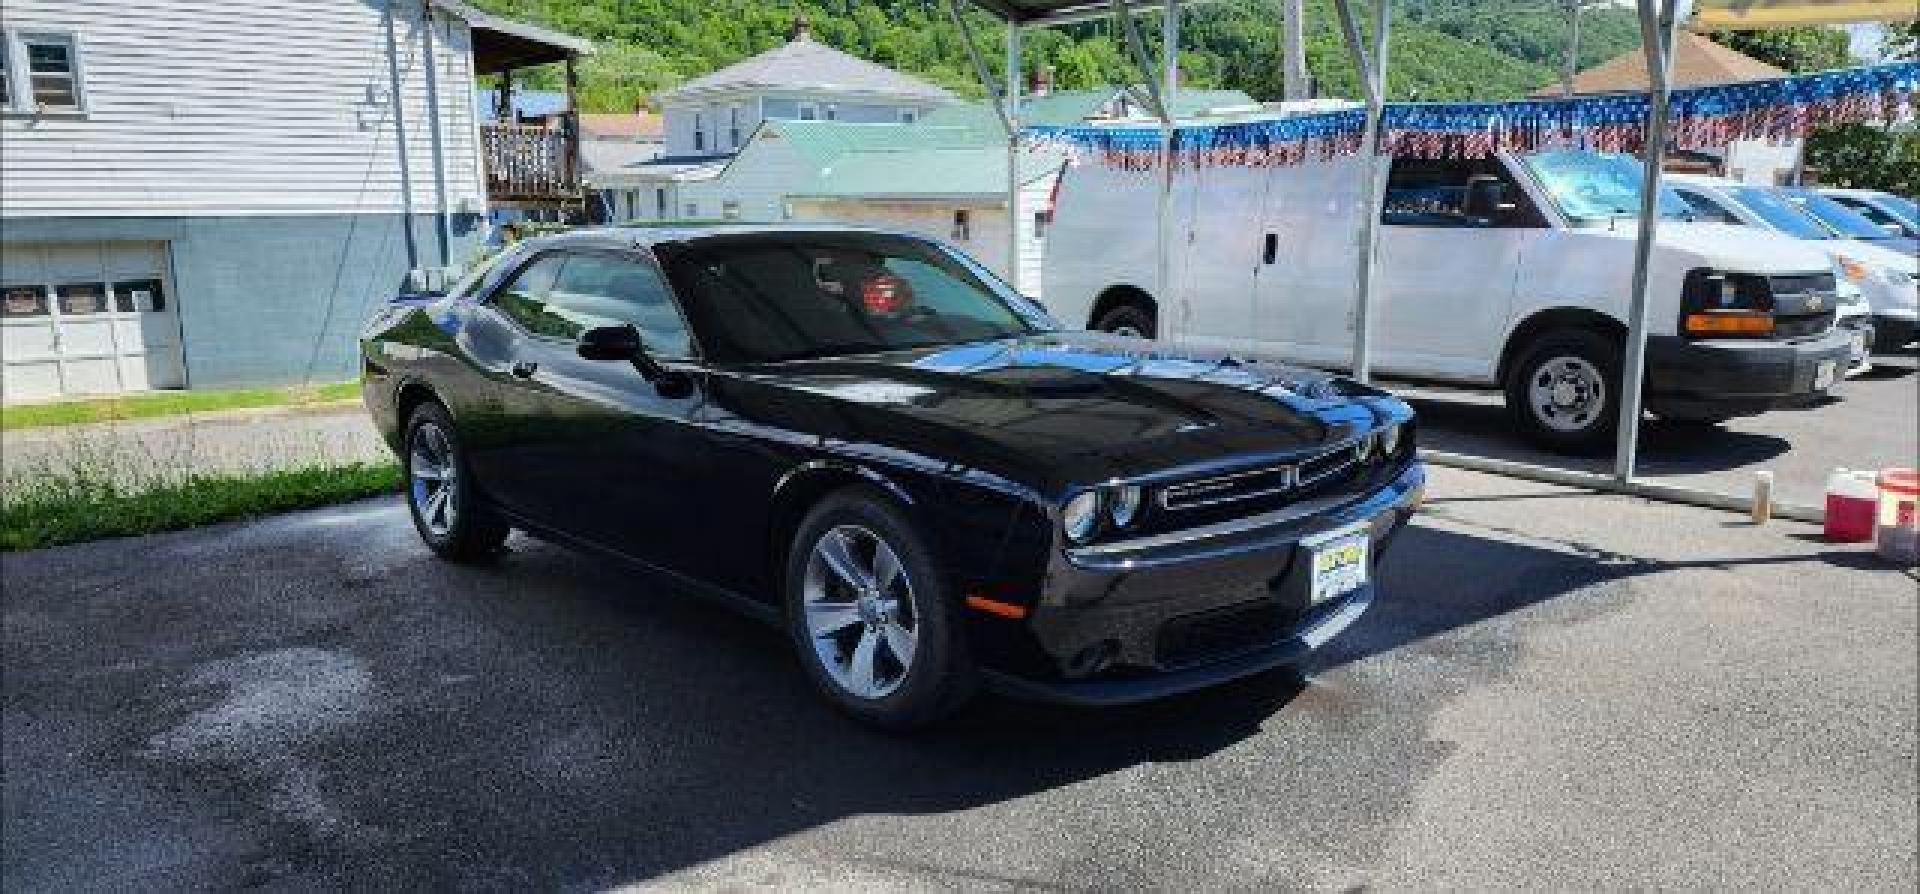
(530, 163)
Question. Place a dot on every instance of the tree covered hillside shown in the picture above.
(1442, 49)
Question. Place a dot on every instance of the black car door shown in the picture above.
(598, 451)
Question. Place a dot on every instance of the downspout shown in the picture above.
(1012, 99)
(443, 229)
(400, 140)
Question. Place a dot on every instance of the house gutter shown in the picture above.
(400, 139)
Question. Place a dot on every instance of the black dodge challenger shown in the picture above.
(866, 437)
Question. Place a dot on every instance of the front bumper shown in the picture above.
(1195, 610)
(1895, 330)
(1732, 377)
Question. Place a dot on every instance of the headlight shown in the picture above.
(1390, 439)
(1123, 504)
(1852, 270)
(1081, 516)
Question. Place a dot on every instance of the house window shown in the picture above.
(908, 116)
(962, 226)
(660, 202)
(833, 113)
(1040, 221)
(733, 126)
(41, 72)
(699, 132)
(809, 111)
(693, 209)
(730, 210)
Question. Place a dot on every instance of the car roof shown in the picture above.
(647, 235)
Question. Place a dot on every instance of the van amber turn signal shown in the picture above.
(1742, 322)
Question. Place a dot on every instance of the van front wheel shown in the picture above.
(1563, 392)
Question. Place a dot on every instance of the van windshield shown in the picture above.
(1848, 223)
(1596, 186)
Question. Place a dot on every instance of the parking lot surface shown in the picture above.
(1557, 690)
(1872, 422)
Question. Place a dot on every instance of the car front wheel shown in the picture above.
(440, 493)
(871, 619)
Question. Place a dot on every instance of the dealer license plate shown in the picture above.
(1339, 562)
(1824, 374)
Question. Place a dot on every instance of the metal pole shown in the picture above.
(980, 68)
(1011, 99)
(400, 142)
(1657, 33)
(1572, 65)
(443, 229)
(1293, 53)
(1373, 76)
(1170, 86)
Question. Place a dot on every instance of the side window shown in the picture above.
(1454, 193)
(607, 290)
(524, 300)
(1880, 218)
(1705, 209)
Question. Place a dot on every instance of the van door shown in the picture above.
(1452, 235)
(1305, 287)
(1224, 205)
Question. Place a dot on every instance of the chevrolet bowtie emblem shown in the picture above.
(1813, 302)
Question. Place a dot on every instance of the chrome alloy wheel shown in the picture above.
(1128, 329)
(432, 475)
(860, 611)
(1567, 393)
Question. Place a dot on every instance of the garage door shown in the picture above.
(87, 318)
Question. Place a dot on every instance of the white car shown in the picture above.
(1896, 215)
(1883, 275)
(1513, 271)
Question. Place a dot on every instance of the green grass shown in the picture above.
(168, 403)
(50, 508)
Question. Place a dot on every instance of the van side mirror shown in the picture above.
(1487, 197)
(610, 343)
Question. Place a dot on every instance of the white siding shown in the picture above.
(203, 107)
(759, 178)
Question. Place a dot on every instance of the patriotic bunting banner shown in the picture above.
(1701, 117)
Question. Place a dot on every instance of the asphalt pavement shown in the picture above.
(1557, 690)
(1871, 421)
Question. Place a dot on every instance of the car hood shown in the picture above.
(1736, 248)
(1049, 411)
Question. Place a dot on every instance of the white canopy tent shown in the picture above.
(1659, 22)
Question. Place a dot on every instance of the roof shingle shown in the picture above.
(806, 65)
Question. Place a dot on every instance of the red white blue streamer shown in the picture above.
(1700, 117)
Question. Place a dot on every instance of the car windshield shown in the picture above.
(1850, 224)
(1903, 208)
(759, 298)
(1594, 186)
(1780, 213)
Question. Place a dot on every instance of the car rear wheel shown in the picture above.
(1564, 389)
(440, 494)
(872, 621)
(1127, 319)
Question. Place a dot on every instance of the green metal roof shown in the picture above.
(1068, 107)
(824, 141)
(927, 173)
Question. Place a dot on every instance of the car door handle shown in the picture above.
(525, 369)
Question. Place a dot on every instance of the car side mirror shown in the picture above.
(611, 343)
(1487, 197)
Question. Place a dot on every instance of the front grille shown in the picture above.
(1329, 467)
(1803, 304)
(1221, 633)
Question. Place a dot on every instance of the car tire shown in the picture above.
(440, 491)
(851, 651)
(1128, 319)
(1563, 390)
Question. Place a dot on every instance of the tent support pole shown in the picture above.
(1011, 101)
(1373, 77)
(994, 97)
(1658, 20)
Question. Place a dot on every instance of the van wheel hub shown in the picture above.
(1568, 393)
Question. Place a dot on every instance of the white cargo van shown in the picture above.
(1513, 271)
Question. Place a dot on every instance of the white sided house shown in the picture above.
(208, 194)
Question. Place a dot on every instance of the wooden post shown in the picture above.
(503, 99)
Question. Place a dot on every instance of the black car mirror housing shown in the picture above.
(623, 342)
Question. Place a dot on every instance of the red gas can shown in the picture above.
(1851, 500)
